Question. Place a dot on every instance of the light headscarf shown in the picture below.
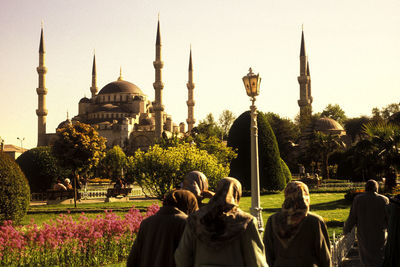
(196, 182)
(221, 220)
(294, 209)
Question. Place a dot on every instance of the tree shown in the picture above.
(113, 164)
(78, 148)
(208, 127)
(354, 127)
(159, 170)
(225, 122)
(322, 146)
(334, 112)
(384, 139)
(286, 133)
(271, 174)
(386, 112)
(40, 168)
(14, 190)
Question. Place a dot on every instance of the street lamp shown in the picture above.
(252, 84)
(21, 140)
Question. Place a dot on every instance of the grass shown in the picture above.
(331, 206)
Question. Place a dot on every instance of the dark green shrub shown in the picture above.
(40, 168)
(286, 171)
(14, 190)
(271, 174)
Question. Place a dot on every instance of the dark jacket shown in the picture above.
(158, 237)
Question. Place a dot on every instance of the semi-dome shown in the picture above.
(327, 124)
(110, 108)
(120, 86)
(84, 100)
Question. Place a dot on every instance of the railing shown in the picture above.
(92, 192)
(340, 247)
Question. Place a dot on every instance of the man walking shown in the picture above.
(369, 214)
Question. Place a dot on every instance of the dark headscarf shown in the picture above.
(294, 209)
(183, 200)
(221, 220)
(196, 182)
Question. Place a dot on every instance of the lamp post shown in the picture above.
(252, 84)
(22, 140)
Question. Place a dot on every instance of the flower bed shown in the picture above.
(96, 241)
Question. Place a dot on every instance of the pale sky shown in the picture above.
(353, 48)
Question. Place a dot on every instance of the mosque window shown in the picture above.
(108, 98)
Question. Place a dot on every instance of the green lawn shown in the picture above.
(331, 206)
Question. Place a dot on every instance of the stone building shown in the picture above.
(121, 111)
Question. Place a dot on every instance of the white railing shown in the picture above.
(93, 192)
(340, 247)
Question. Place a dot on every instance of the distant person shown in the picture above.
(197, 183)
(369, 214)
(302, 171)
(220, 233)
(392, 249)
(68, 185)
(294, 236)
(159, 235)
(59, 186)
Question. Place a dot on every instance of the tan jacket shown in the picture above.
(246, 250)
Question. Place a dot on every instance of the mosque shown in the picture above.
(125, 116)
(120, 111)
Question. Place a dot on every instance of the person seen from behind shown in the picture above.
(294, 236)
(369, 214)
(220, 233)
(159, 235)
(197, 183)
(59, 186)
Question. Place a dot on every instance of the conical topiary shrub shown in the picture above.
(272, 176)
(14, 190)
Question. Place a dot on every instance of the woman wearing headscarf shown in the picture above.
(197, 183)
(220, 233)
(159, 235)
(294, 236)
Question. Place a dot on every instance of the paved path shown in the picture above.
(352, 259)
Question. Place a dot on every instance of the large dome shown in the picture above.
(327, 124)
(120, 86)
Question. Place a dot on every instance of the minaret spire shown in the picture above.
(158, 86)
(190, 103)
(120, 74)
(41, 112)
(94, 88)
(305, 87)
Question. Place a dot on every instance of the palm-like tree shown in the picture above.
(384, 140)
(322, 146)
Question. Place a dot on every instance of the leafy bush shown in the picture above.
(14, 190)
(112, 165)
(40, 168)
(272, 176)
(159, 170)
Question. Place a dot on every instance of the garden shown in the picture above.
(98, 234)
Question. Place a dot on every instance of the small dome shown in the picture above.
(146, 121)
(120, 86)
(327, 124)
(84, 100)
(64, 124)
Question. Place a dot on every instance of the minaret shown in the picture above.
(94, 88)
(158, 87)
(304, 82)
(190, 103)
(41, 112)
